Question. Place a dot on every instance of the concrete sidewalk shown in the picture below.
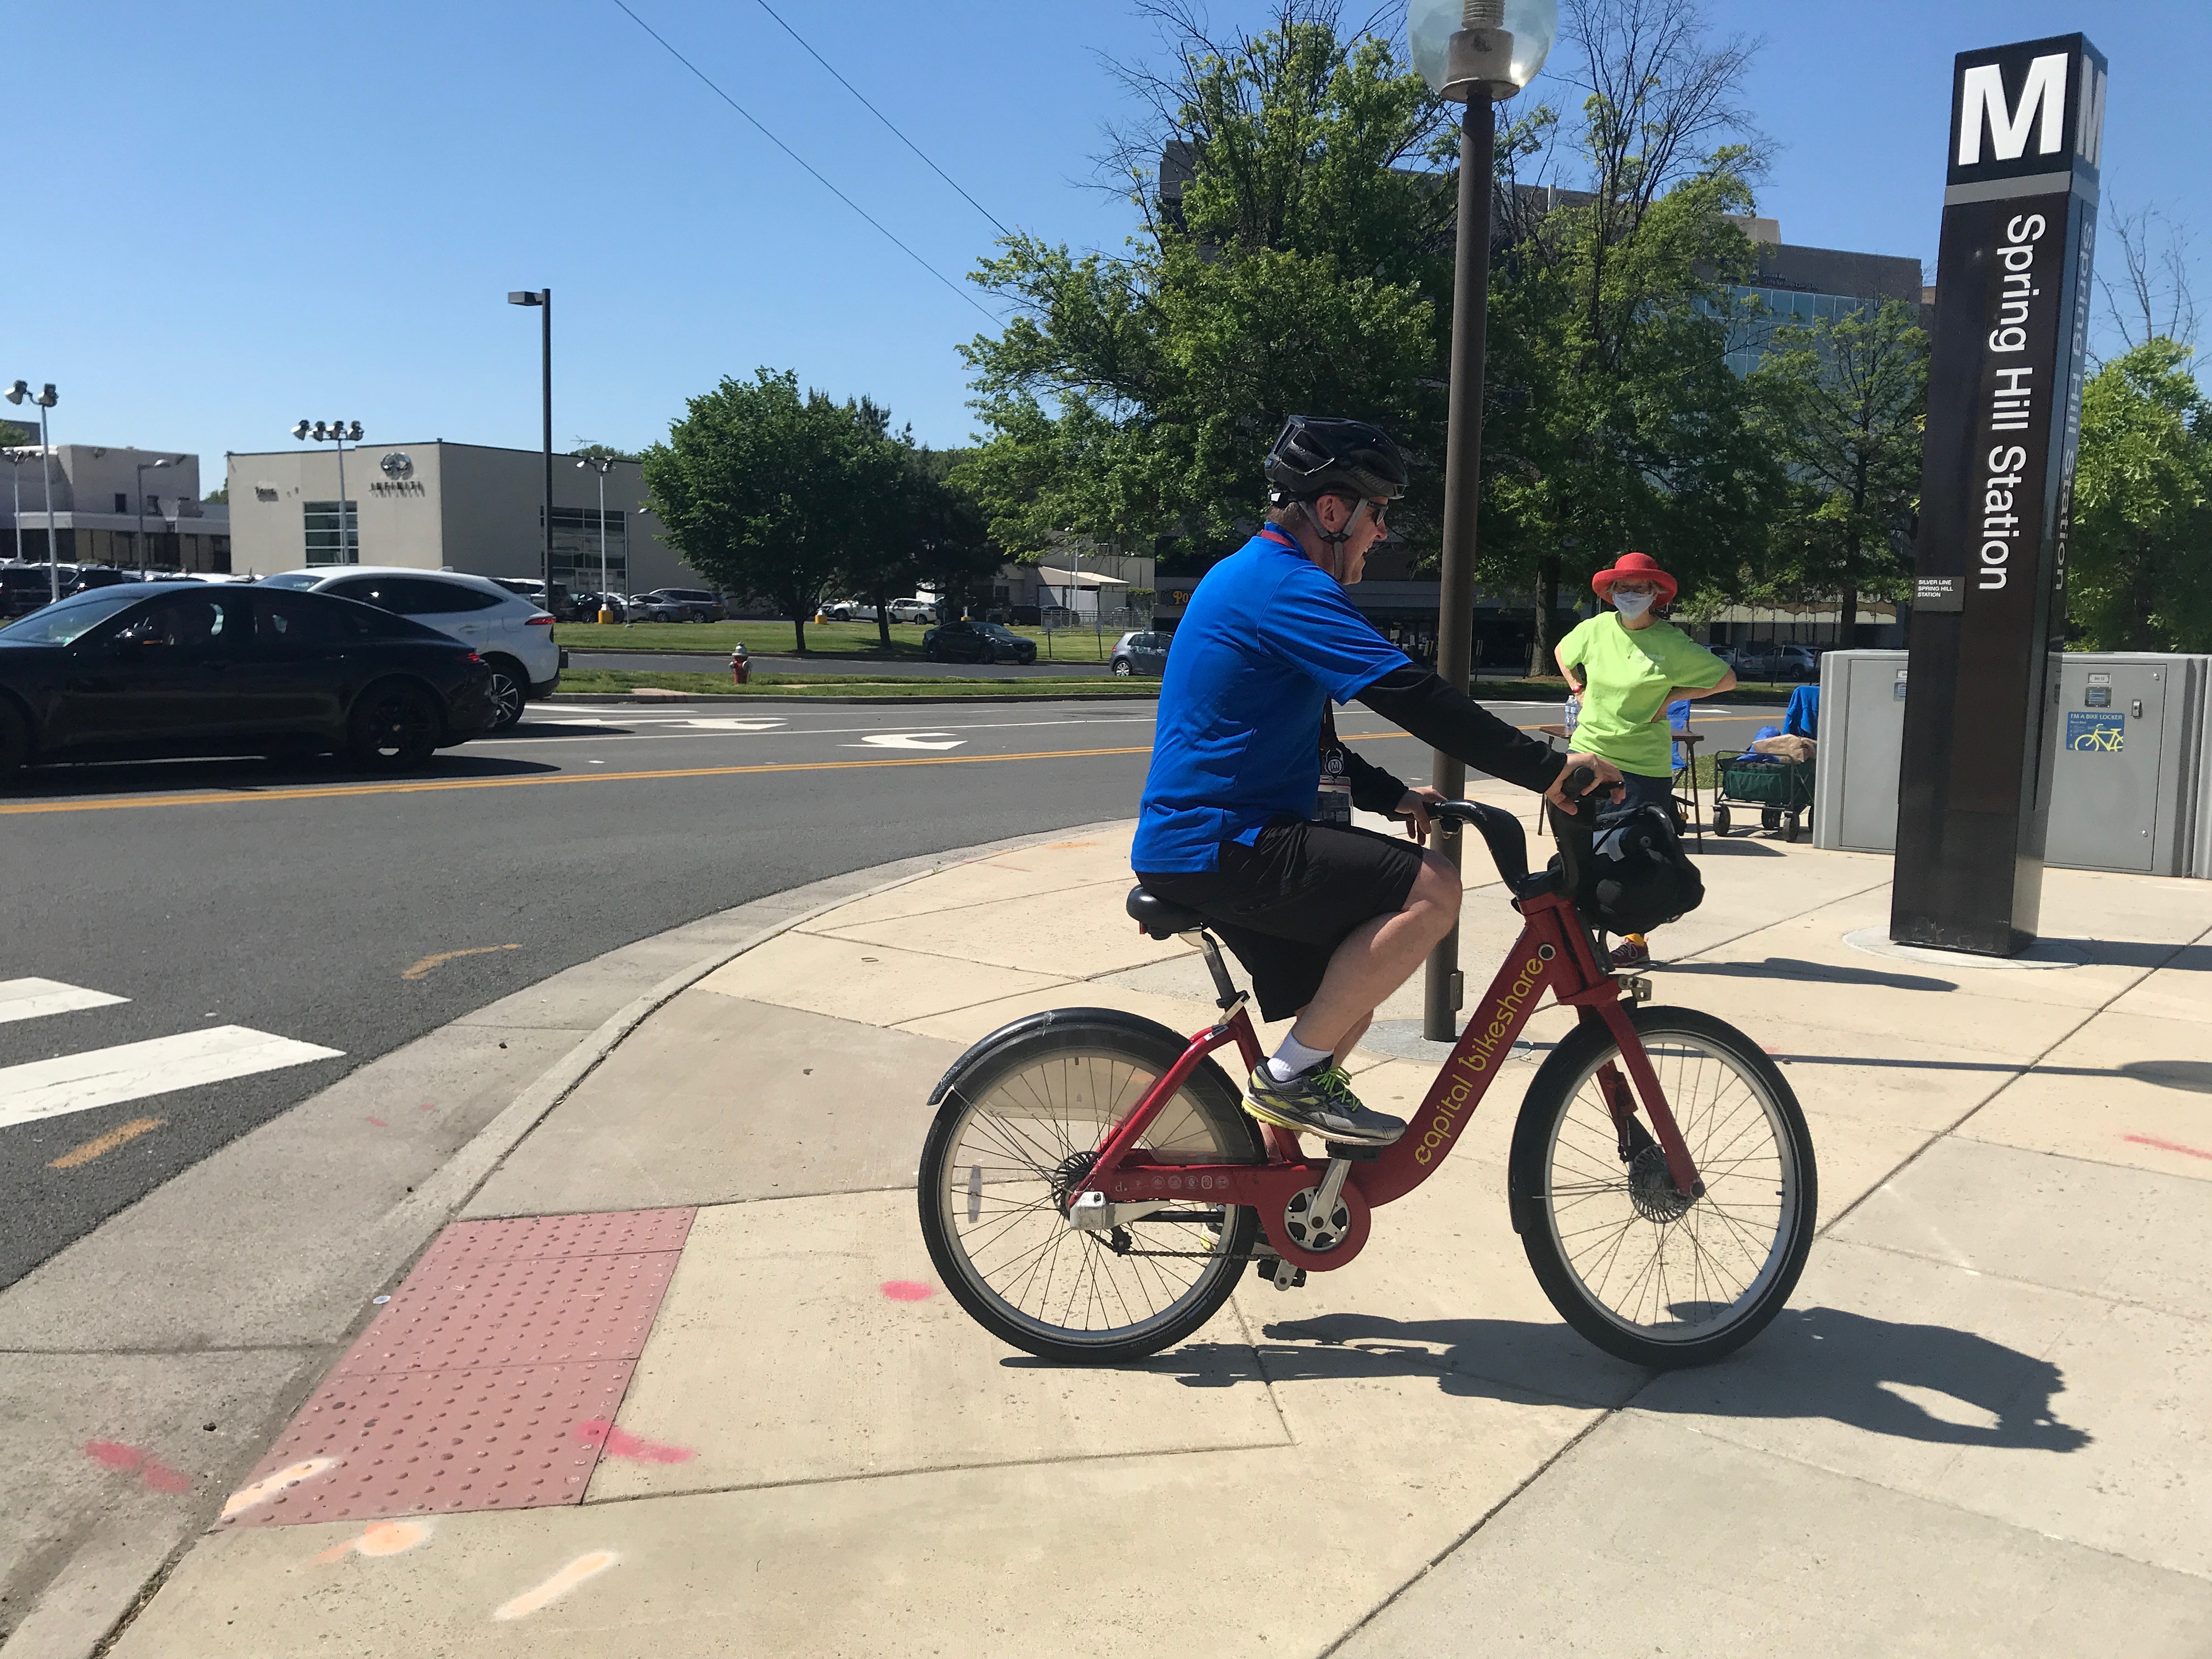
(1980, 1428)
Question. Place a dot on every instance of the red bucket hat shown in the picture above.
(1634, 564)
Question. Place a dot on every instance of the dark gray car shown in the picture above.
(1141, 653)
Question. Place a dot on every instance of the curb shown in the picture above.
(757, 698)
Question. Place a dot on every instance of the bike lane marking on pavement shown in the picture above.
(132, 1071)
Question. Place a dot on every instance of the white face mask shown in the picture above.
(1631, 605)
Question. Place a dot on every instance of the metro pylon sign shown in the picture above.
(2004, 415)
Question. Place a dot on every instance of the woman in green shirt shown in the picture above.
(1627, 667)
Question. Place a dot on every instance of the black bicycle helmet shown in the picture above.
(1317, 457)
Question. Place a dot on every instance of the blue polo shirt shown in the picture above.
(1268, 639)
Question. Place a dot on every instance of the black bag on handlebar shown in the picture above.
(1635, 876)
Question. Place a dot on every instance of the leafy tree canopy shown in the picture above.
(1843, 404)
(1135, 394)
(2137, 577)
(767, 490)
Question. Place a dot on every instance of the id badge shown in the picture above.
(1333, 802)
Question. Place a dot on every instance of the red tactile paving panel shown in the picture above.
(472, 1388)
(517, 1313)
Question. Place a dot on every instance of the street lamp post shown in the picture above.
(145, 467)
(603, 465)
(15, 460)
(337, 432)
(45, 400)
(1474, 52)
(543, 298)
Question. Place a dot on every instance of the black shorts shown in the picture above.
(1285, 902)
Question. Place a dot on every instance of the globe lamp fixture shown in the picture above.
(1495, 47)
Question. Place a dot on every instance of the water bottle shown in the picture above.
(1574, 712)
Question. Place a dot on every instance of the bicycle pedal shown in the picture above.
(1280, 1274)
(1352, 1154)
(1638, 987)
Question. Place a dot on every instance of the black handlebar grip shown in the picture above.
(1578, 783)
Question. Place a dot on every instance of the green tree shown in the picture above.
(586, 450)
(1843, 404)
(1613, 420)
(955, 551)
(222, 496)
(2138, 577)
(13, 436)
(1133, 396)
(766, 489)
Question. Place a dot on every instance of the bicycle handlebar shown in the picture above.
(1502, 832)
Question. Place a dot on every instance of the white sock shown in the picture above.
(1292, 1058)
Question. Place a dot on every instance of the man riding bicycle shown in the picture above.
(1244, 817)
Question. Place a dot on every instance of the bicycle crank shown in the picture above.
(1317, 1219)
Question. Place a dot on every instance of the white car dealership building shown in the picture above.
(446, 506)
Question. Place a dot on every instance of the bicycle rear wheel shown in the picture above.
(1641, 1272)
(1021, 1114)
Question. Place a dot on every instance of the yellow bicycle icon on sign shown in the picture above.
(2100, 737)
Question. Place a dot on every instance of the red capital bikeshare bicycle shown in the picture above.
(1091, 1188)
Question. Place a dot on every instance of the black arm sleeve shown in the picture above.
(1373, 790)
(1432, 711)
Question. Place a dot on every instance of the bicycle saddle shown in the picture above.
(1158, 918)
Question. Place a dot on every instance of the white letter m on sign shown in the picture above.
(1984, 100)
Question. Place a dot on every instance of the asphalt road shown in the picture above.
(310, 905)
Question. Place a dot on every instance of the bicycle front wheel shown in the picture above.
(1628, 1263)
(1021, 1117)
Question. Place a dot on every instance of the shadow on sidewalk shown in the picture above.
(1791, 968)
(1927, 1382)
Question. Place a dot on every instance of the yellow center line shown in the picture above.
(131, 802)
(432, 786)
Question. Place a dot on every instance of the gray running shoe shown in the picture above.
(1319, 1103)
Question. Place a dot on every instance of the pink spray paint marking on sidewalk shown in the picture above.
(621, 1443)
(152, 1470)
(907, 1290)
(2168, 1145)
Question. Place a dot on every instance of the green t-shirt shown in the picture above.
(1627, 675)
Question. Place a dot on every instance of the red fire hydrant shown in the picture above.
(741, 665)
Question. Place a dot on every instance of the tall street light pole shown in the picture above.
(145, 467)
(1475, 53)
(604, 465)
(15, 460)
(543, 298)
(336, 432)
(45, 399)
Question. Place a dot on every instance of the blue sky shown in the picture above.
(251, 212)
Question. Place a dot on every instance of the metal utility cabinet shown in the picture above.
(2131, 787)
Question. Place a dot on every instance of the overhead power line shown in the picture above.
(711, 86)
(884, 118)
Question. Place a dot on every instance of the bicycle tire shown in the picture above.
(1052, 1083)
(1565, 1147)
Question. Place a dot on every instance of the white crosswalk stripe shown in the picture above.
(29, 999)
(132, 1071)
